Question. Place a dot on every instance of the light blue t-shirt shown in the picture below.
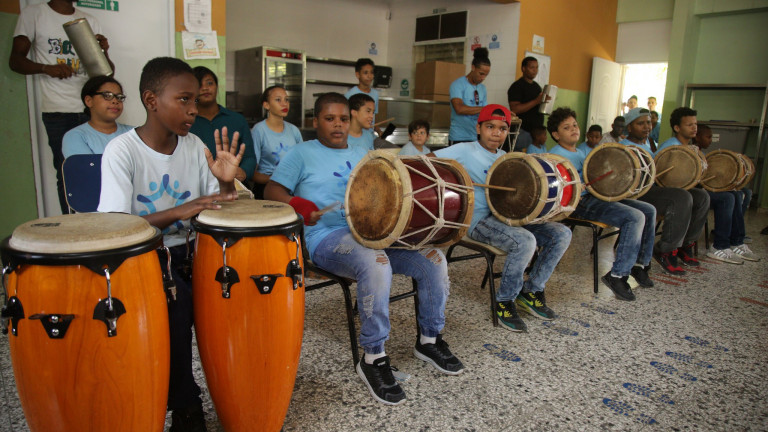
(668, 143)
(585, 146)
(534, 149)
(645, 146)
(477, 161)
(84, 139)
(364, 141)
(411, 150)
(576, 157)
(655, 131)
(373, 94)
(464, 127)
(319, 174)
(270, 147)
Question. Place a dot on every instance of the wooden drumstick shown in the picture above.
(504, 188)
(707, 179)
(659, 174)
(383, 121)
(599, 178)
(328, 208)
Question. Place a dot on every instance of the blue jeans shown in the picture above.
(56, 125)
(341, 254)
(747, 199)
(729, 219)
(520, 244)
(635, 219)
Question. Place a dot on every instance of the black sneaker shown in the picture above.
(507, 313)
(619, 286)
(668, 262)
(687, 256)
(640, 274)
(439, 356)
(380, 381)
(188, 420)
(535, 304)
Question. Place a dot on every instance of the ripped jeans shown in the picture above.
(341, 254)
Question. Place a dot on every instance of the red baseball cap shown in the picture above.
(487, 114)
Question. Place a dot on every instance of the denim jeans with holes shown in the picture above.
(341, 254)
(520, 243)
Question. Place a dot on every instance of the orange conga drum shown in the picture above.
(408, 201)
(248, 296)
(680, 166)
(88, 323)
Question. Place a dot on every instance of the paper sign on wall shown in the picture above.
(538, 44)
(200, 45)
(197, 15)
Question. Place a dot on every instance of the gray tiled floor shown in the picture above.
(689, 356)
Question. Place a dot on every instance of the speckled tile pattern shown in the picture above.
(689, 355)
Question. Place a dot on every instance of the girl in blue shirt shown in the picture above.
(273, 137)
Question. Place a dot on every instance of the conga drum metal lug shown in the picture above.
(55, 325)
(12, 312)
(266, 282)
(295, 272)
(227, 276)
(102, 312)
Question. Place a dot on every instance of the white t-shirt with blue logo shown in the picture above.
(138, 180)
(270, 146)
(464, 127)
(319, 174)
(477, 161)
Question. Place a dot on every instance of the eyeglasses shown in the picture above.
(108, 96)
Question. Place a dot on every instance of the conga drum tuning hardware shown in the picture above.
(265, 283)
(55, 325)
(168, 284)
(11, 314)
(108, 310)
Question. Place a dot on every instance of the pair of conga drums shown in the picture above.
(613, 172)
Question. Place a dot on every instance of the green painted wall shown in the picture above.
(577, 101)
(644, 10)
(17, 194)
(218, 66)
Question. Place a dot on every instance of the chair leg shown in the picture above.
(350, 321)
(706, 235)
(416, 306)
(595, 256)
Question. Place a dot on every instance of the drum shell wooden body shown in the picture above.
(624, 168)
(749, 173)
(726, 171)
(381, 201)
(249, 343)
(689, 166)
(87, 381)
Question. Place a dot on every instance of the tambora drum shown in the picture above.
(248, 295)
(612, 172)
(88, 322)
(547, 186)
(680, 166)
(647, 171)
(727, 171)
(408, 201)
(749, 167)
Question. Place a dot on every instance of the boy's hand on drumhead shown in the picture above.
(228, 158)
(209, 202)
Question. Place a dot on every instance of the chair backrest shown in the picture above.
(82, 182)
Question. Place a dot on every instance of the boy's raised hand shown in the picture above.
(228, 158)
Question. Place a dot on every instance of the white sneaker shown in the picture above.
(747, 239)
(744, 252)
(724, 255)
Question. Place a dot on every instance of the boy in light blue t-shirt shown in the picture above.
(468, 97)
(361, 109)
(418, 132)
(594, 134)
(539, 137)
(520, 242)
(364, 72)
(315, 174)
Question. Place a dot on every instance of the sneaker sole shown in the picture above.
(370, 390)
(651, 285)
(664, 269)
(510, 328)
(725, 260)
(749, 258)
(531, 311)
(423, 357)
(603, 279)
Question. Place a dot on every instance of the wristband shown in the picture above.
(303, 207)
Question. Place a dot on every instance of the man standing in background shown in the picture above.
(524, 96)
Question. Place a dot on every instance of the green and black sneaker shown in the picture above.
(535, 304)
(508, 317)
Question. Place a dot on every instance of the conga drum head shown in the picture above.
(678, 166)
(246, 213)
(647, 171)
(526, 175)
(82, 233)
(725, 171)
(408, 201)
(611, 172)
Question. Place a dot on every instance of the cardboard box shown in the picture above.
(435, 77)
(438, 116)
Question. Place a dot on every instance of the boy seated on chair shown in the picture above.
(519, 242)
(635, 219)
(315, 174)
(165, 174)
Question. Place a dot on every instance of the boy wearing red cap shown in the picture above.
(519, 242)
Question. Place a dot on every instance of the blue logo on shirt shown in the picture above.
(345, 170)
(279, 152)
(158, 192)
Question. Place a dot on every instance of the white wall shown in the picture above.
(129, 49)
(644, 42)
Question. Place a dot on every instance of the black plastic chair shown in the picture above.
(82, 182)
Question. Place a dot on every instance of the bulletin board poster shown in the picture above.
(544, 65)
(200, 45)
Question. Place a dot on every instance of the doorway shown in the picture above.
(643, 80)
